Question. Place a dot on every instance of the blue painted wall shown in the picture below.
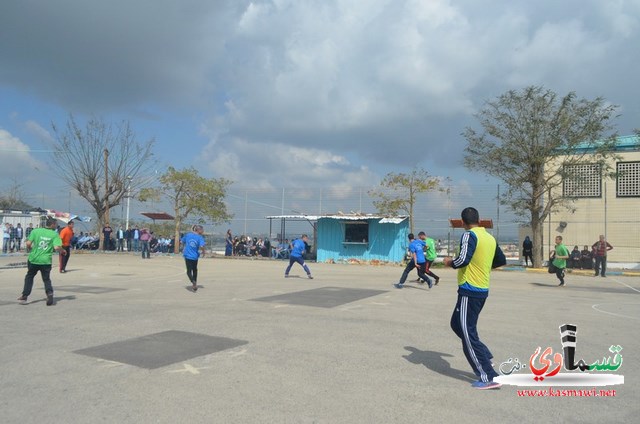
(387, 242)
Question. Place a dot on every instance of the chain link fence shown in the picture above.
(613, 216)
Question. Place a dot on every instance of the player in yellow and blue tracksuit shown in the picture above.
(479, 253)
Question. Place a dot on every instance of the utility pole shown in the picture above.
(498, 215)
(106, 191)
(128, 199)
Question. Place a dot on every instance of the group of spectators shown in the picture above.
(12, 237)
(132, 240)
(581, 259)
(135, 240)
(594, 257)
(247, 246)
(257, 246)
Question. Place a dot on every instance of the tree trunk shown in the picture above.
(176, 236)
(100, 219)
(537, 228)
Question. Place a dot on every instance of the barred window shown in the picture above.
(583, 180)
(628, 183)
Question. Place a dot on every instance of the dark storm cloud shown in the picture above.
(101, 55)
(347, 86)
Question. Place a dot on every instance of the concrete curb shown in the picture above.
(586, 273)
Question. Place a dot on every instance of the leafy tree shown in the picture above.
(80, 161)
(398, 192)
(189, 193)
(532, 140)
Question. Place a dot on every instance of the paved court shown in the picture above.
(127, 342)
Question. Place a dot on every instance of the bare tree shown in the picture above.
(100, 161)
(14, 197)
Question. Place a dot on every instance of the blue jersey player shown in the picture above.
(299, 246)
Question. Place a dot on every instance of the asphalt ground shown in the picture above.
(253, 347)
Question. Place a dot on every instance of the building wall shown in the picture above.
(618, 218)
(24, 219)
(387, 242)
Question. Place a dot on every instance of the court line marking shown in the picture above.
(626, 285)
(595, 307)
(234, 354)
(110, 364)
(188, 368)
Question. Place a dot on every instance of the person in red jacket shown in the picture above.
(600, 249)
(66, 234)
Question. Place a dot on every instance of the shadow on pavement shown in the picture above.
(435, 362)
(56, 299)
(190, 287)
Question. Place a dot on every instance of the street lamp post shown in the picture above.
(128, 200)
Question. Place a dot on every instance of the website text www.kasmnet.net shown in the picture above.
(567, 393)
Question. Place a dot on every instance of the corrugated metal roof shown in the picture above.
(308, 217)
(346, 217)
(395, 220)
(622, 143)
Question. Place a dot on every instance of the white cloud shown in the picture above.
(17, 160)
(566, 46)
(270, 165)
(39, 132)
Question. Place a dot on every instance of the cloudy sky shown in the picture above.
(299, 92)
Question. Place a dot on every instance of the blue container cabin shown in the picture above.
(363, 238)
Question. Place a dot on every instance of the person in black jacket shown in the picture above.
(527, 251)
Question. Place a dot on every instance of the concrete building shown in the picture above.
(603, 204)
(34, 217)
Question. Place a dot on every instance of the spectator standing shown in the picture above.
(106, 232)
(6, 237)
(19, 236)
(12, 237)
(120, 240)
(600, 248)
(127, 237)
(66, 235)
(228, 244)
(145, 238)
(27, 233)
(135, 235)
(527, 251)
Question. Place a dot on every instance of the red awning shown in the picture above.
(157, 215)
(457, 223)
